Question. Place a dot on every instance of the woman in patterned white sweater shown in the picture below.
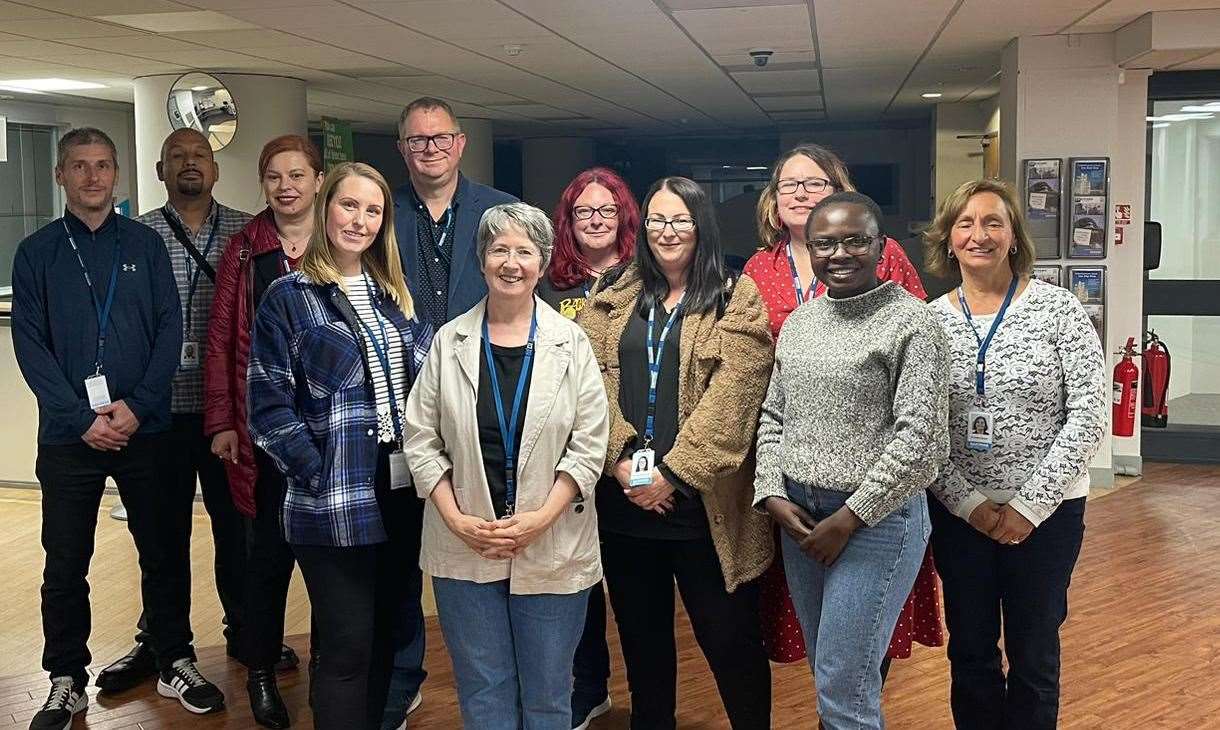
(1027, 397)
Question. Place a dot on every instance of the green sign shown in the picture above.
(336, 142)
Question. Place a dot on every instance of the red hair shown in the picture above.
(568, 267)
(289, 143)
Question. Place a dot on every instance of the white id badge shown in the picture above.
(98, 391)
(641, 467)
(979, 430)
(189, 359)
(400, 475)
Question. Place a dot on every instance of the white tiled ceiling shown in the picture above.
(669, 66)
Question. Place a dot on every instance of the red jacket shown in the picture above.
(228, 351)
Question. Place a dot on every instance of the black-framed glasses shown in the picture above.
(442, 141)
(680, 224)
(812, 185)
(585, 212)
(855, 245)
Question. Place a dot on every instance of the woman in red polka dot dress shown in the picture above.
(802, 177)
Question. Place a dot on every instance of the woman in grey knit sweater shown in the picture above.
(853, 429)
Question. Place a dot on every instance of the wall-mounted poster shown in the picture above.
(1050, 273)
(1043, 191)
(1089, 207)
(1088, 283)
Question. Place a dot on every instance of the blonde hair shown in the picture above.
(771, 229)
(936, 238)
(380, 261)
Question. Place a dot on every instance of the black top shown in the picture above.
(567, 302)
(616, 513)
(435, 252)
(55, 326)
(508, 369)
(268, 266)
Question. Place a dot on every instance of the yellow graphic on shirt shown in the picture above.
(571, 307)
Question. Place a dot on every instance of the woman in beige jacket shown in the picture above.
(507, 429)
(686, 352)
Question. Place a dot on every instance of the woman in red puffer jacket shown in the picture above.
(290, 170)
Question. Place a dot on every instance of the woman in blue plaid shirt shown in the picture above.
(335, 350)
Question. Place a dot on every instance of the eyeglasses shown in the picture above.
(853, 245)
(812, 185)
(680, 225)
(585, 212)
(419, 142)
(503, 253)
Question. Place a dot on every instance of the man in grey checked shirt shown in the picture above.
(192, 216)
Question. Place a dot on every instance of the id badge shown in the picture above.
(189, 358)
(400, 475)
(98, 391)
(980, 427)
(641, 467)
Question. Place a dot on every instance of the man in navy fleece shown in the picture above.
(97, 329)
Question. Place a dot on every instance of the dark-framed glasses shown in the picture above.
(585, 212)
(812, 185)
(854, 245)
(681, 224)
(419, 142)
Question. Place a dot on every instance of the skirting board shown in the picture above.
(1128, 465)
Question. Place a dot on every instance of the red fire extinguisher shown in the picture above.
(1156, 382)
(1126, 387)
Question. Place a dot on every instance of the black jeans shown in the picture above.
(640, 575)
(1024, 589)
(355, 593)
(72, 479)
(191, 457)
(591, 667)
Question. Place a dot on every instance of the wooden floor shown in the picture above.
(1141, 648)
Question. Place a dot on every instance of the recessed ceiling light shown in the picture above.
(50, 85)
(931, 95)
(757, 167)
(513, 49)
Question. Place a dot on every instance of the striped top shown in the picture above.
(357, 289)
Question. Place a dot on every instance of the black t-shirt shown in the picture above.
(508, 368)
(567, 302)
(616, 513)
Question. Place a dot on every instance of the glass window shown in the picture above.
(27, 195)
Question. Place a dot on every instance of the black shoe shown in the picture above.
(183, 682)
(66, 699)
(138, 666)
(584, 709)
(288, 659)
(265, 700)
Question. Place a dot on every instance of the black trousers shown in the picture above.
(355, 593)
(591, 666)
(1021, 588)
(640, 575)
(72, 479)
(192, 457)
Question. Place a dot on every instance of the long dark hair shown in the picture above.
(705, 284)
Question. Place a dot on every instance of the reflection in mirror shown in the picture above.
(199, 101)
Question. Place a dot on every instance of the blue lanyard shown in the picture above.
(194, 278)
(508, 429)
(796, 279)
(654, 365)
(980, 370)
(101, 310)
(381, 348)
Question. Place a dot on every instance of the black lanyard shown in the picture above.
(101, 310)
(654, 365)
(199, 258)
(381, 348)
(508, 428)
(980, 370)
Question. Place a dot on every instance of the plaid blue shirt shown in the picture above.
(219, 226)
(312, 407)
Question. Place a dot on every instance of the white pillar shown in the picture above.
(549, 164)
(477, 158)
(267, 106)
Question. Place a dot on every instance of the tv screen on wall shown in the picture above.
(879, 182)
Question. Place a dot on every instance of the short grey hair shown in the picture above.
(80, 137)
(520, 218)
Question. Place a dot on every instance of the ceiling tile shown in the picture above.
(60, 27)
(89, 8)
(1117, 13)
(783, 103)
(734, 30)
(774, 80)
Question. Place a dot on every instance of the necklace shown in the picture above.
(293, 248)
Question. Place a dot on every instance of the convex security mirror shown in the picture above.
(199, 101)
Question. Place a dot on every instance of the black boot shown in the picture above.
(265, 701)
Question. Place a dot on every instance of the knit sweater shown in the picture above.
(857, 401)
(1046, 389)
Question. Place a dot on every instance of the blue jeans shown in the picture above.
(512, 654)
(848, 611)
